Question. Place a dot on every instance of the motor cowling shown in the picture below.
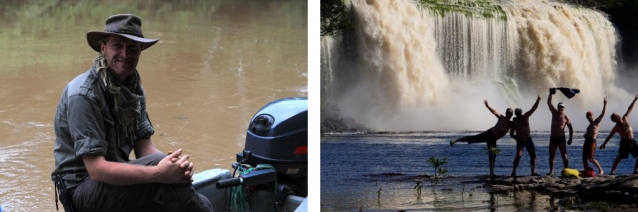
(278, 135)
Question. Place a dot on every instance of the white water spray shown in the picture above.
(407, 68)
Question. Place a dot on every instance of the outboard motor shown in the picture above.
(275, 156)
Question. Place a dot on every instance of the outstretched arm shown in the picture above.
(498, 115)
(602, 114)
(538, 100)
(611, 134)
(631, 107)
(549, 103)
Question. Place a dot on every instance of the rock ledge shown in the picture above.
(622, 190)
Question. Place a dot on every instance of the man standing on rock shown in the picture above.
(627, 141)
(557, 135)
(490, 136)
(521, 133)
(589, 147)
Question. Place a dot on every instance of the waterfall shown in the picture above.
(408, 67)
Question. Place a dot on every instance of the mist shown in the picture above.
(412, 70)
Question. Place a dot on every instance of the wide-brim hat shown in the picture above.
(125, 25)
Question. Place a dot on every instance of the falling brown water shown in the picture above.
(216, 64)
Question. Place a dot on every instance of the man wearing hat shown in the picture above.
(557, 135)
(627, 141)
(101, 118)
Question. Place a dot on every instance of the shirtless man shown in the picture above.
(521, 133)
(589, 147)
(490, 136)
(627, 141)
(557, 135)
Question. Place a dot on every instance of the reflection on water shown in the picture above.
(216, 64)
(453, 194)
(378, 172)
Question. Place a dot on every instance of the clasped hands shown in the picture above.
(175, 168)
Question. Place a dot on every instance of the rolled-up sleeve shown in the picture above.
(86, 125)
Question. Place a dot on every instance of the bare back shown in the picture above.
(521, 126)
(502, 127)
(624, 129)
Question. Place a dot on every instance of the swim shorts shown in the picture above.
(589, 147)
(627, 146)
(557, 140)
(528, 144)
(485, 137)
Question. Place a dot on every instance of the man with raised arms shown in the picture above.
(557, 135)
(521, 133)
(589, 147)
(627, 141)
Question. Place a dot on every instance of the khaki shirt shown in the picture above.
(83, 125)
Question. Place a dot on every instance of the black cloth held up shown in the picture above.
(568, 92)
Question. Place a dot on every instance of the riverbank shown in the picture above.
(608, 191)
(377, 172)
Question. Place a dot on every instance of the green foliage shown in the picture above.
(493, 150)
(438, 171)
(470, 8)
(335, 17)
(418, 186)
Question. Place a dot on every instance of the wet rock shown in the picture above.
(555, 185)
(617, 189)
(552, 190)
(497, 189)
(537, 180)
(629, 182)
(525, 179)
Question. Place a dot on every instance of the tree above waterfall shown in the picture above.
(335, 17)
(604, 4)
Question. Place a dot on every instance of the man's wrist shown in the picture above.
(153, 172)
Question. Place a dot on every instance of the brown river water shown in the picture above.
(216, 64)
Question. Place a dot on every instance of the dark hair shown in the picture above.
(105, 39)
(518, 111)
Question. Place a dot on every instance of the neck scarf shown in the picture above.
(124, 101)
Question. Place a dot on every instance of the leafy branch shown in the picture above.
(335, 17)
(438, 171)
(470, 8)
(492, 150)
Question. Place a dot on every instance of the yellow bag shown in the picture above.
(571, 173)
